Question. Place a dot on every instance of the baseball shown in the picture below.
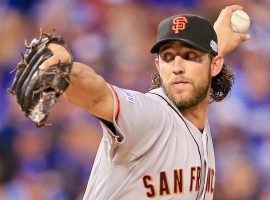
(240, 21)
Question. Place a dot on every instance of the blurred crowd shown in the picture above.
(114, 38)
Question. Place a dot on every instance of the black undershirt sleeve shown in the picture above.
(109, 125)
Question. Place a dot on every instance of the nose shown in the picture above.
(178, 67)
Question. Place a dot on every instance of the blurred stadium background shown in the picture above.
(114, 37)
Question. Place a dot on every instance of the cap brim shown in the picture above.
(156, 47)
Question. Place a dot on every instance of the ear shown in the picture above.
(216, 65)
(157, 62)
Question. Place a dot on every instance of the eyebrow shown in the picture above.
(169, 45)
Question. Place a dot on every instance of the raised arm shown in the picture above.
(228, 40)
(87, 90)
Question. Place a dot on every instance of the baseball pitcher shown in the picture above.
(156, 145)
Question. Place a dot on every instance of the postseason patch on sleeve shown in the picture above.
(128, 95)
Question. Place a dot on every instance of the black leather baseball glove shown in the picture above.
(37, 90)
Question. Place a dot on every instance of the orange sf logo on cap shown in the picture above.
(179, 24)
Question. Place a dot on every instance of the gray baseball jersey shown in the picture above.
(153, 153)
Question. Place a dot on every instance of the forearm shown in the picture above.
(89, 91)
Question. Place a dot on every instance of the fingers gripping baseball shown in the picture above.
(42, 76)
(227, 38)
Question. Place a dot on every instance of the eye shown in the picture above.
(168, 57)
(192, 56)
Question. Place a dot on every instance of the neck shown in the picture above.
(197, 114)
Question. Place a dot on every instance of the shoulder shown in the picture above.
(133, 96)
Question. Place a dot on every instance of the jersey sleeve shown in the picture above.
(138, 121)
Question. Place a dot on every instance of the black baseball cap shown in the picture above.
(191, 29)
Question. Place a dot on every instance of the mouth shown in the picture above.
(181, 81)
(180, 84)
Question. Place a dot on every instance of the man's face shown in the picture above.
(185, 73)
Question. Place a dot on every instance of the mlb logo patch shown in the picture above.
(214, 46)
(129, 97)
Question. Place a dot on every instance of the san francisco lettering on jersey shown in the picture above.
(175, 185)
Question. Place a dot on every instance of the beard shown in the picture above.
(197, 95)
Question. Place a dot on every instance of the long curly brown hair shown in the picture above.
(221, 84)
